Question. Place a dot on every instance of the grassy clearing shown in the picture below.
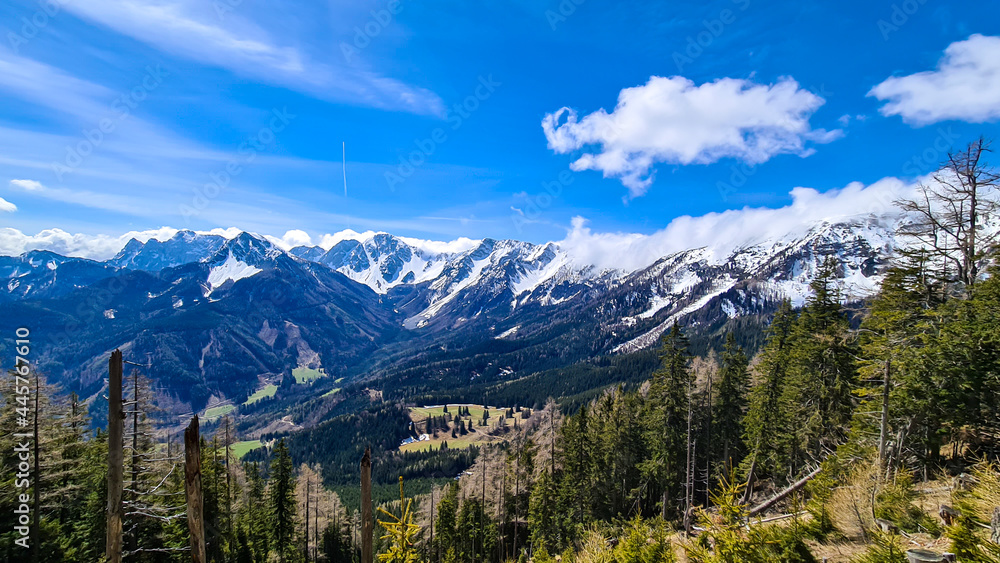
(420, 414)
(267, 391)
(218, 412)
(330, 392)
(306, 375)
(240, 449)
(459, 443)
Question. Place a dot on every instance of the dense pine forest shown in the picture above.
(853, 433)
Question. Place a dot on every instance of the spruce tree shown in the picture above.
(667, 408)
(730, 407)
(822, 372)
(765, 422)
(281, 488)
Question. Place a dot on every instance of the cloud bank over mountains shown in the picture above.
(720, 232)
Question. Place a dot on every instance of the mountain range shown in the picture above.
(218, 318)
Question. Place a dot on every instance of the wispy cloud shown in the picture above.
(194, 30)
(7, 206)
(131, 205)
(50, 87)
(673, 121)
(965, 86)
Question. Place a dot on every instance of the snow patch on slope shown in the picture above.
(231, 269)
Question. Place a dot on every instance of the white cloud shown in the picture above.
(7, 206)
(95, 247)
(671, 120)
(26, 184)
(965, 86)
(195, 30)
(724, 232)
(291, 239)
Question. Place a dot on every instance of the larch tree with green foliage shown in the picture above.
(400, 532)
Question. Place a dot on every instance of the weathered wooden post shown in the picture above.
(192, 491)
(116, 460)
(366, 507)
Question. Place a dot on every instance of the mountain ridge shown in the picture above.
(231, 314)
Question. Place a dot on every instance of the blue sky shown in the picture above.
(232, 113)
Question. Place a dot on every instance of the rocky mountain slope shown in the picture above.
(219, 318)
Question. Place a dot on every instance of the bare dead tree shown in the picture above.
(148, 504)
(950, 217)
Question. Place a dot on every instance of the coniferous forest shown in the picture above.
(856, 432)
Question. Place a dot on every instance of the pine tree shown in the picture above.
(254, 516)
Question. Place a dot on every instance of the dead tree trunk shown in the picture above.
(366, 507)
(192, 491)
(791, 489)
(883, 434)
(116, 469)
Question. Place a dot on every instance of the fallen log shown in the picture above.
(791, 489)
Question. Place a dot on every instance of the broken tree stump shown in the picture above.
(192, 491)
(116, 459)
(948, 514)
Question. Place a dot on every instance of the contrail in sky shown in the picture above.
(345, 168)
